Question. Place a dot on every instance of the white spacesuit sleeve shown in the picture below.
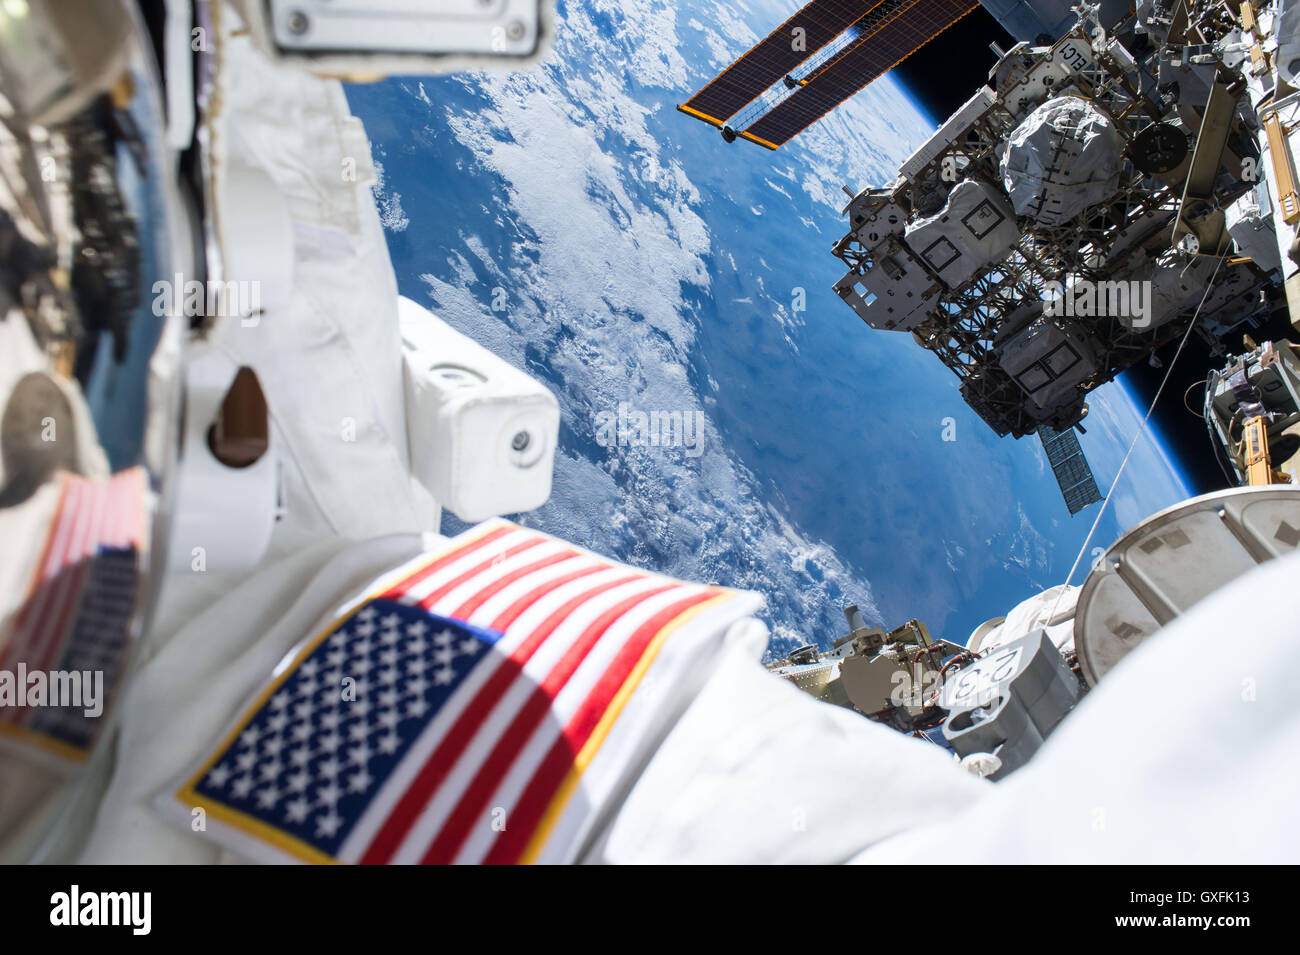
(1184, 753)
(328, 352)
(757, 771)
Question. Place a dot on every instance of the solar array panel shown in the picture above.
(877, 51)
(775, 57)
(1073, 473)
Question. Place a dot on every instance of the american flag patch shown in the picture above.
(478, 706)
(79, 607)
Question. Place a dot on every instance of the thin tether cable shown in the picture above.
(1141, 430)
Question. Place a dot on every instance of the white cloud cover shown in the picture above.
(600, 300)
(610, 249)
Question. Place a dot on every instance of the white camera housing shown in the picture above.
(482, 434)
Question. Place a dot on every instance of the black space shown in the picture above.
(948, 70)
(1183, 433)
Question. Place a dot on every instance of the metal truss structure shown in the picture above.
(1126, 236)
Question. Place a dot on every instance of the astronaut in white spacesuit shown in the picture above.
(706, 757)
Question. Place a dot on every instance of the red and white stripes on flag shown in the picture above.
(539, 730)
(92, 517)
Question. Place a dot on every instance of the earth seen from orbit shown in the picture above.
(573, 221)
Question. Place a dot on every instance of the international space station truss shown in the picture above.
(978, 300)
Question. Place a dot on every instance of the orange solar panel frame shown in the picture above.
(773, 58)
